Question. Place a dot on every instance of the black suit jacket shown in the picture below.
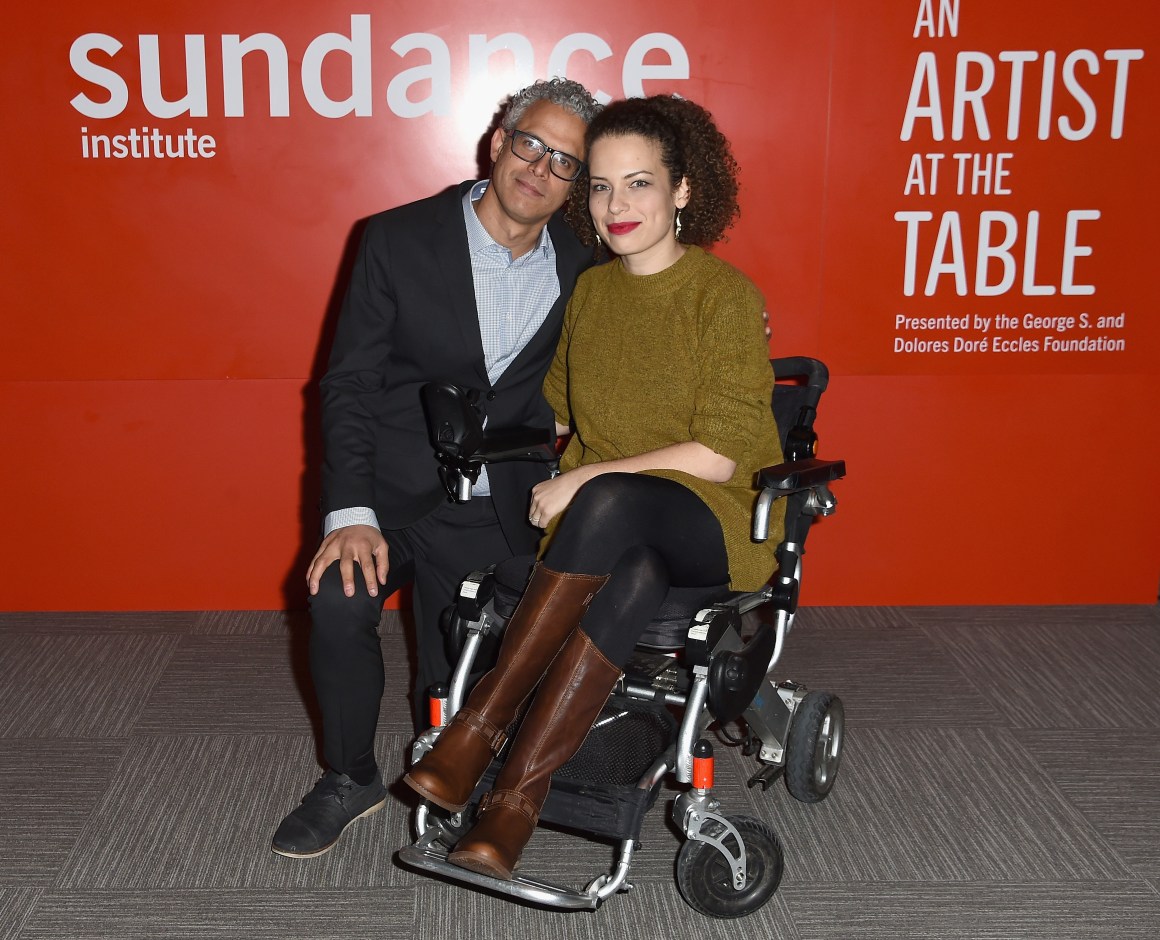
(410, 317)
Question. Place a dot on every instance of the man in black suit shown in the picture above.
(469, 287)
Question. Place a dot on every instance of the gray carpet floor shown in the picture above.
(1001, 780)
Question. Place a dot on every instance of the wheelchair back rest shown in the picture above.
(454, 419)
(800, 382)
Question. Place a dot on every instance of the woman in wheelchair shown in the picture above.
(663, 378)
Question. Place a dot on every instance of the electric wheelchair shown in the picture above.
(706, 658)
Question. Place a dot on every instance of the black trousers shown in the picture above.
(346, 660)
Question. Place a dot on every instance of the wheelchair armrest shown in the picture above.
(455, 419)
(524, 443)
(785, 478)
(796, 476)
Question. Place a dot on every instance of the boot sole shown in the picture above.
(480, 864)
(290, 853)
(432, 797)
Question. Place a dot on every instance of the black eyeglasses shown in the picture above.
(531, 150)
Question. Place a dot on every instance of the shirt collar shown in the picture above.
(478, 239)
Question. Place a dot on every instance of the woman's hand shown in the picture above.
(552, 497)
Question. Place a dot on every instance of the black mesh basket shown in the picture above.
(596, 791)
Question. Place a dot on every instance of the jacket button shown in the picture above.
(491, 396)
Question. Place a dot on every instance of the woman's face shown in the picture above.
(633, 202)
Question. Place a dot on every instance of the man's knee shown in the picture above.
(338, 619)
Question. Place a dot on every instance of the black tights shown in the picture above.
(647, 533)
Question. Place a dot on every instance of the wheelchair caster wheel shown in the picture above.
(814, 749)
(706, 882)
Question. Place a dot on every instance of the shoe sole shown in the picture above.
(287, 853)
(428, 795)
(480, 864)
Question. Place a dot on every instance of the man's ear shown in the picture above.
(497, 140)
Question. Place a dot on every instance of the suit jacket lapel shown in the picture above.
(455, 264)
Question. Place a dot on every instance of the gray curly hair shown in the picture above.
(567, 94)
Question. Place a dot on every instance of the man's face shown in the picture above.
(529, 193)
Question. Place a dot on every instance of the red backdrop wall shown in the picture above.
(950, 201)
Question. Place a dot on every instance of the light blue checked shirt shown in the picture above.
(512, 297)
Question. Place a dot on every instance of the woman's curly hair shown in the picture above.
(691, 147)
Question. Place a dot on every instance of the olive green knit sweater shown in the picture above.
(647, 361)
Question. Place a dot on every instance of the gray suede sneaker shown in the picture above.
(335, 802)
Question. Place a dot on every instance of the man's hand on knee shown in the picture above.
(363, 545)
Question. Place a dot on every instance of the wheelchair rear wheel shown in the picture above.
(705, 880)
(814, 749)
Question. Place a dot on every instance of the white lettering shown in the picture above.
(925, 78)
(1079, 94)
(651, 57)
(912, 220)
(1030, 254)
(437, 71)
(948, 18)
(950, 233)
(972, 96)
(636, 72)
(1017, 59)
(98, 75)
(974, 81)
(195, 102)
(358, 47)
(480, 49)
(915, 176)
(147, 144)
(949, 258)
(1002, 252)
(234, 49)
(1072, 250)
(579, 42)
(1121, 57)
(1046, 90)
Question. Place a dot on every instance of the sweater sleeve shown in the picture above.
(556, 381)
(735, 382)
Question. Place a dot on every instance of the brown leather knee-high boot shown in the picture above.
(549, 611)
(569, 699)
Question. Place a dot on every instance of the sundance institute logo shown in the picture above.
(420, 89)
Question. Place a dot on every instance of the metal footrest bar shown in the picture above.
(430, 856)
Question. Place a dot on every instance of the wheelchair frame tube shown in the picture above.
(462, 671)
(761, 514)
(694, 723)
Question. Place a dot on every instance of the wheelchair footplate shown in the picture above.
(429, 854)
(605, 791)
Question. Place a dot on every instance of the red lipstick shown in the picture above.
(621, 228)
